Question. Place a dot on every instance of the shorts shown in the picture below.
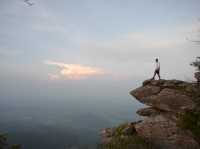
(157, 71)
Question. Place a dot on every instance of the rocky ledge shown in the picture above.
(166, 101)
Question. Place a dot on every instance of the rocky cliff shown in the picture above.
(167, 102)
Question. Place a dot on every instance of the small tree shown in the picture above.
(196, 63)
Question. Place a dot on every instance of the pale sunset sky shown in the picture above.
(98, 39)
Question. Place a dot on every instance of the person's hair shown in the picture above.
(156, 59)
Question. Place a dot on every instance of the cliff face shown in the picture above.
(166, 101)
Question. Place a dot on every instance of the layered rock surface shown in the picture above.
(172, 95)
(166, 100)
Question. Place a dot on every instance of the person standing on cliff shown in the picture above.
(157, 70)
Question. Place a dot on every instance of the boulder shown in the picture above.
(163, 133)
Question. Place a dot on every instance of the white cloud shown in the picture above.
(73, 71)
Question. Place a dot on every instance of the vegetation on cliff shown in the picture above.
(4, 143)
(196, 63)
(124, 137)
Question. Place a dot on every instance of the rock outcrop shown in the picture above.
(166, 101)
(172, 95)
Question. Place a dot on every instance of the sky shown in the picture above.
(71, 63)
(98, 40)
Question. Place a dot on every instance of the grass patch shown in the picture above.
(122, 140)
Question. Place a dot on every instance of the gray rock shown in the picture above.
(150, 111)
(153, 82)
(145, 91)
(165, 134)
(166, 96)
(170, 100)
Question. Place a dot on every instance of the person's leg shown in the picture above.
(158, 74)
(154, 75)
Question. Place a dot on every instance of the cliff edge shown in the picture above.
(167, 102)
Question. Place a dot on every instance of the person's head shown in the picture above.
(156, 59)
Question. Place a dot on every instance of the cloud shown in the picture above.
(132, 47)
(141, 45)
(73, 71)
(53, 76)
